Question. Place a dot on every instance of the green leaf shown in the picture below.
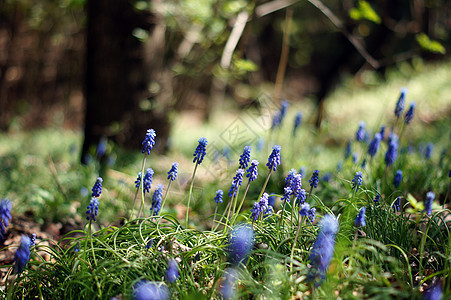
(364, 11)
(427, 44)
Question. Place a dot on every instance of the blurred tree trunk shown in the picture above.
(116, 79)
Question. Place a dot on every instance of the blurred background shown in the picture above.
(112, 69)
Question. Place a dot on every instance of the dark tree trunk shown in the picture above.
(116, 77)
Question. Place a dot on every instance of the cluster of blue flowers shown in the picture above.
(201, 151)
(314, 179)
(357, 181)
(5, 216)
(157, 198)
(219, 195)
(261, 207)
(274, 158)
(241, 242)
(172, 173)
(245, 158)
(236, 183)
(149, 141)
(93, 207)
(252, 172)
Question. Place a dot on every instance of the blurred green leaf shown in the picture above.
(364, 11)
(427, 44)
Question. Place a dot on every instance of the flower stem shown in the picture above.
(190, 194)
(141, 185)
(166, 195)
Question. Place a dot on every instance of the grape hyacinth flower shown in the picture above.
(245, 158)
(287, 192)
(149, 141)
(241, 241)
(290, 176)
(283, 109)
(409, 114)
(219, 196)
(296, 185)
(138, 180)
(148, 290)
(22, 254)
(200, 151)
(227, 290)
(382, 132)
(377, 199)
(5, 215)
(172, 272)
(300, 199)
(428, 203)
(97, 188)
(434, 292)
(173, 172)
(323, 249)
(276, 121)
(428, 151)
(397, 204)
(271, 200)
(360, 219)
(327, 177)
(255, 211)
(33, 240)
(92, 209)
(311, 214)
(149, 244)
(297, 122)
(392, 151)
(400, 104)
(305, 208)
(148, 178)
(156, 200)
(274, 158)
(236, 183)
(397, 179)
(364, 164)
(374, 144)
(360, 133)
(302, 171)
(260, 207)
(252, 171)
(315, 179)
(357, 181)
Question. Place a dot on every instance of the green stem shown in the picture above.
(264, 186)
(141, 184)
(294, 243)
(166, 195)
(242, 201)
(190, 194)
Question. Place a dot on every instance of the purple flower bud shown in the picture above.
(409, 114)
(357, 181)
(400, 104)
(147, 290)
(252, 172)
(428, 203)
(360, 133)
(241, 241)
(173, 172)
(274, 158)
(97, 188)
(172, 272)
(245, 158)
(305, 208)
(236, 183)
(22, 254)
(5, 216)
(219, 195)
(149, 141)
(315, 179)
(397, 179)
(201, 151)
(360, 219)
(157, 198)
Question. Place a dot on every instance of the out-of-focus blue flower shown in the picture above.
(326, 177)
(236, 183)
(400, 104)
(172, 272)
(5, 215)
(241, 241)
(348, 149)
(311, 214)
(297, 122)
(428, 203)
(260, 207)
(22, 254)
(360, 133)
(157, 198)
(274, 158)
(97, 188)
(245, 158)
(271, 200)
(364, 164)
(173, 172)
(227, 289)
(219, 195)
(101, 147)
(148, 290)
(397, 204)
(305, 208)
(382, 132)
(287, 192)
(397, 179)
(355, 157)
(428, 151)
(409, 114)
(392, 152)
(226, 153)
(283, 109)
(374, 144)
(260, 144)
(357, 181)
(276, 120)
(323, 249)
(339, 166)
(149, 141)
(314, 179)
(360, 219)
(92, 209)
(148, 178)
(201, 151)
(302, 171)
(434, 292)
(255, 211)
(252, 172)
